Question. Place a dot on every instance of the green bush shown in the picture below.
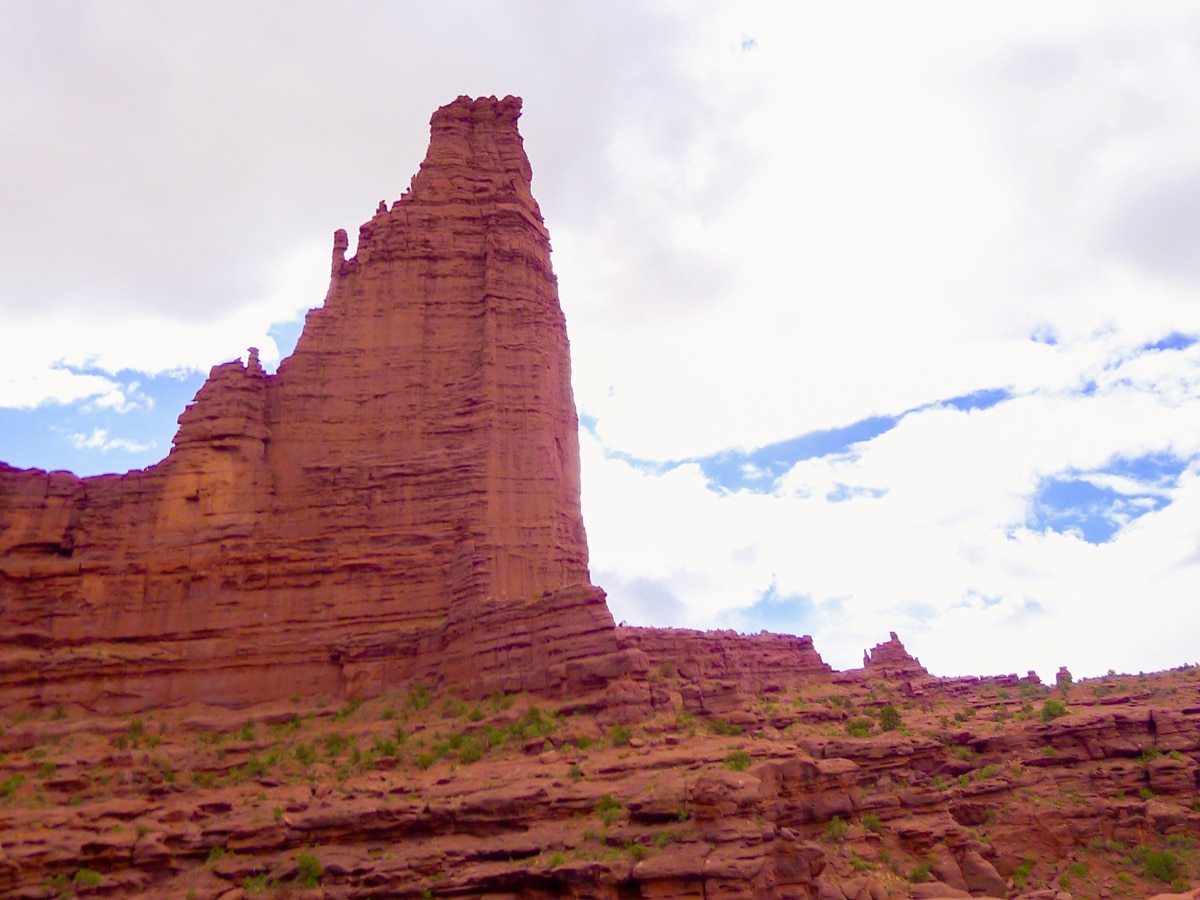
(608, 809)
(919, 873)
(1052, 709)
(334, 744)
(618, 735)
(1163, 865)
(721, 727)
(556, 860)
(889, 719)
(738, 761)
(88, 877)
(1021, 873)
(308, 869)
(871, 823)
(418, 696)
(836, 830)
(859, 727)
(575, 773)
(305, 754)
(9, 785)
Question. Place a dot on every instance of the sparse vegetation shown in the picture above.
(738, 761)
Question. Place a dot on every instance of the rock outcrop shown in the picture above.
(400, 500)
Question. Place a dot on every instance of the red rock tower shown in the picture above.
(400, 500)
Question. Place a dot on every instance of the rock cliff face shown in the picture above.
(400, 500)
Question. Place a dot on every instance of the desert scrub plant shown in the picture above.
(859, 727)
(619, 735)
(335, 743)
(575, 773)
(836, 830)
(738, 761)
(1021, 873)
(920, 872)
(608, 809)
(721, 727)
(418, 697)
(305, 755)
(452, 708)
(308, 869)
(889, 719)
(872, 823)
(556, 860)
(352, 706)
(1160, 864)
(11, 785)
(1052, 709)
(88, 877)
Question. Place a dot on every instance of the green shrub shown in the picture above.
(721, 727)
(9, 785)
(425, 760)
(47, 770)
(305, 755)
(618, 735)
(335, 743)
(738, 761)
(472, 750)
(919, 873)
(988, 772)
(247, 732)
(418, 696)
(388, 713)
(636, 850)
(452, 708)
(1021, 873)
(1052, 709)
(556, 860)
(889, 719)
(871, 823)
(88, 877)
(1145, 793)
(352, 706)
(386, 747)
(575, 773)
(1163, 865)
(608, 809)
(308, 869)
(859, 727)
(836, 830)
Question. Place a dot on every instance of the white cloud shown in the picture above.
(100, 440)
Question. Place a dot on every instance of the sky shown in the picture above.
(883, 317)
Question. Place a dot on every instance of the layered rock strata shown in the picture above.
(400, 500)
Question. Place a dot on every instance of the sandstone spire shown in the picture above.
(400, 500)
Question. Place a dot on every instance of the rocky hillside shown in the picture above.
(675, 783)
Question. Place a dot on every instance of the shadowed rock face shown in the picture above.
(401, 500)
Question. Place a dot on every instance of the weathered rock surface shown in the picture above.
(420, 793)
(400, 500)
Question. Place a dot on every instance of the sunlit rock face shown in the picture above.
(400, 500)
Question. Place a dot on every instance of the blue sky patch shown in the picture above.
(1173, 341)
(757, 470)
(983, 399)
(89, 439)
(790, 614)
(1080, 503)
